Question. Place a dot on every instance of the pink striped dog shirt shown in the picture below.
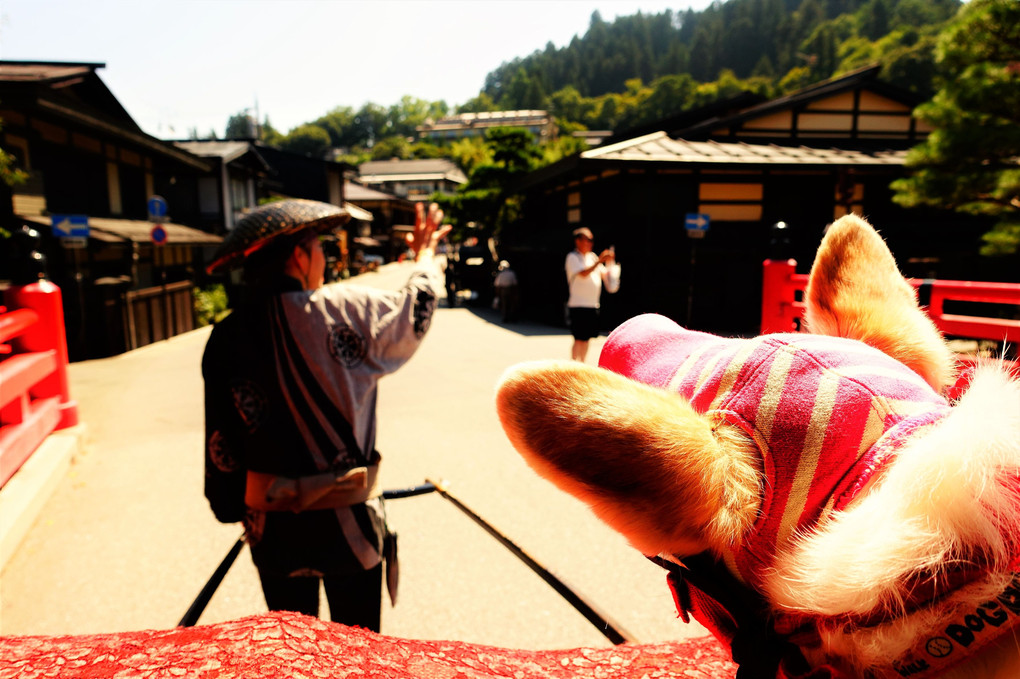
(826, 413)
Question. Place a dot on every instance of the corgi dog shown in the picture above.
(821, 505)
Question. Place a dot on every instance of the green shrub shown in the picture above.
(210, 304)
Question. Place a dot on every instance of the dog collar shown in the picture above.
(970, 619)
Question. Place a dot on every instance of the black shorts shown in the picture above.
(584, 322)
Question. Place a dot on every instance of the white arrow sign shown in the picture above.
(697, 221)
(70, 226)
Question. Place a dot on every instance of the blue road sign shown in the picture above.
(70, 226)
(157, 208)
(696, 222)
(158, 235)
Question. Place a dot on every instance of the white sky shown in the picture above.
(182, 64)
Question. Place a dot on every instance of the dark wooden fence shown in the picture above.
(157, 313)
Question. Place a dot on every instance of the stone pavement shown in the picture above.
(126, 539)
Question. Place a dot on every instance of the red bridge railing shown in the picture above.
(782, 296)
(34, 398)
(782, 305)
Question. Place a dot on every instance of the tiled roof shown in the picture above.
(490, 119)
(415, 166)
(354, 191)
(497, 115)
(227, 150)
(358, 213)
(418, 169)
(34, 71)
(659, 147)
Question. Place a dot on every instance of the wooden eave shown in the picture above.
(658, 151)
(63, 110)
(864, 78)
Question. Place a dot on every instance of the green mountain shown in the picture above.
(770, 46)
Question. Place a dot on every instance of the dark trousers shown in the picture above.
(508, 302)
(353, 600)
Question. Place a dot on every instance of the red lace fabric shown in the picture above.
(294, 645)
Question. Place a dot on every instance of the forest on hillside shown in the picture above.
(750, 38)
(644, 67)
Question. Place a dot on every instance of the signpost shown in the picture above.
(157, 207)
(70, 226)
(73, 242)
(157, 214)
(697, 226)
(72, 232)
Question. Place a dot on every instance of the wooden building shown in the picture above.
(86, 158)
(539, 123)
(218, 199)
(416, 179)
(745, 165)
(392, 218)
(295, 175)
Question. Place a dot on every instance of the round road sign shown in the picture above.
(158, 235)
(157, 208)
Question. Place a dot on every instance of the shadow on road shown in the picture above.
(524, 328)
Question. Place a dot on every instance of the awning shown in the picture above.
(358, 213)
(137, 231)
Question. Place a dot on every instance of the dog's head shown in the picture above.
(825, 472)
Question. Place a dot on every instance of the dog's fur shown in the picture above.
(675, 482)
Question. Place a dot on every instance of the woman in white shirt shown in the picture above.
(586, 273)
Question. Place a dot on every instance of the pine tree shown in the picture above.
(970, 162)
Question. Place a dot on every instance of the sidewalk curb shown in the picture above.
(26, 492)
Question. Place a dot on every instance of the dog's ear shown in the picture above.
(855, 290)
(664, 476)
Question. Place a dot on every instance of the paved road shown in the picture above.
(127, 540)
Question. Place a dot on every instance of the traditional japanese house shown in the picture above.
(732, 171)
(92, 177)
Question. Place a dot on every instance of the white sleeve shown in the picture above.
(611, 277)
(391, 323)
(575, 265)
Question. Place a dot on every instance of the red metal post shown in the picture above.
(47, 334)
(778, 296)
